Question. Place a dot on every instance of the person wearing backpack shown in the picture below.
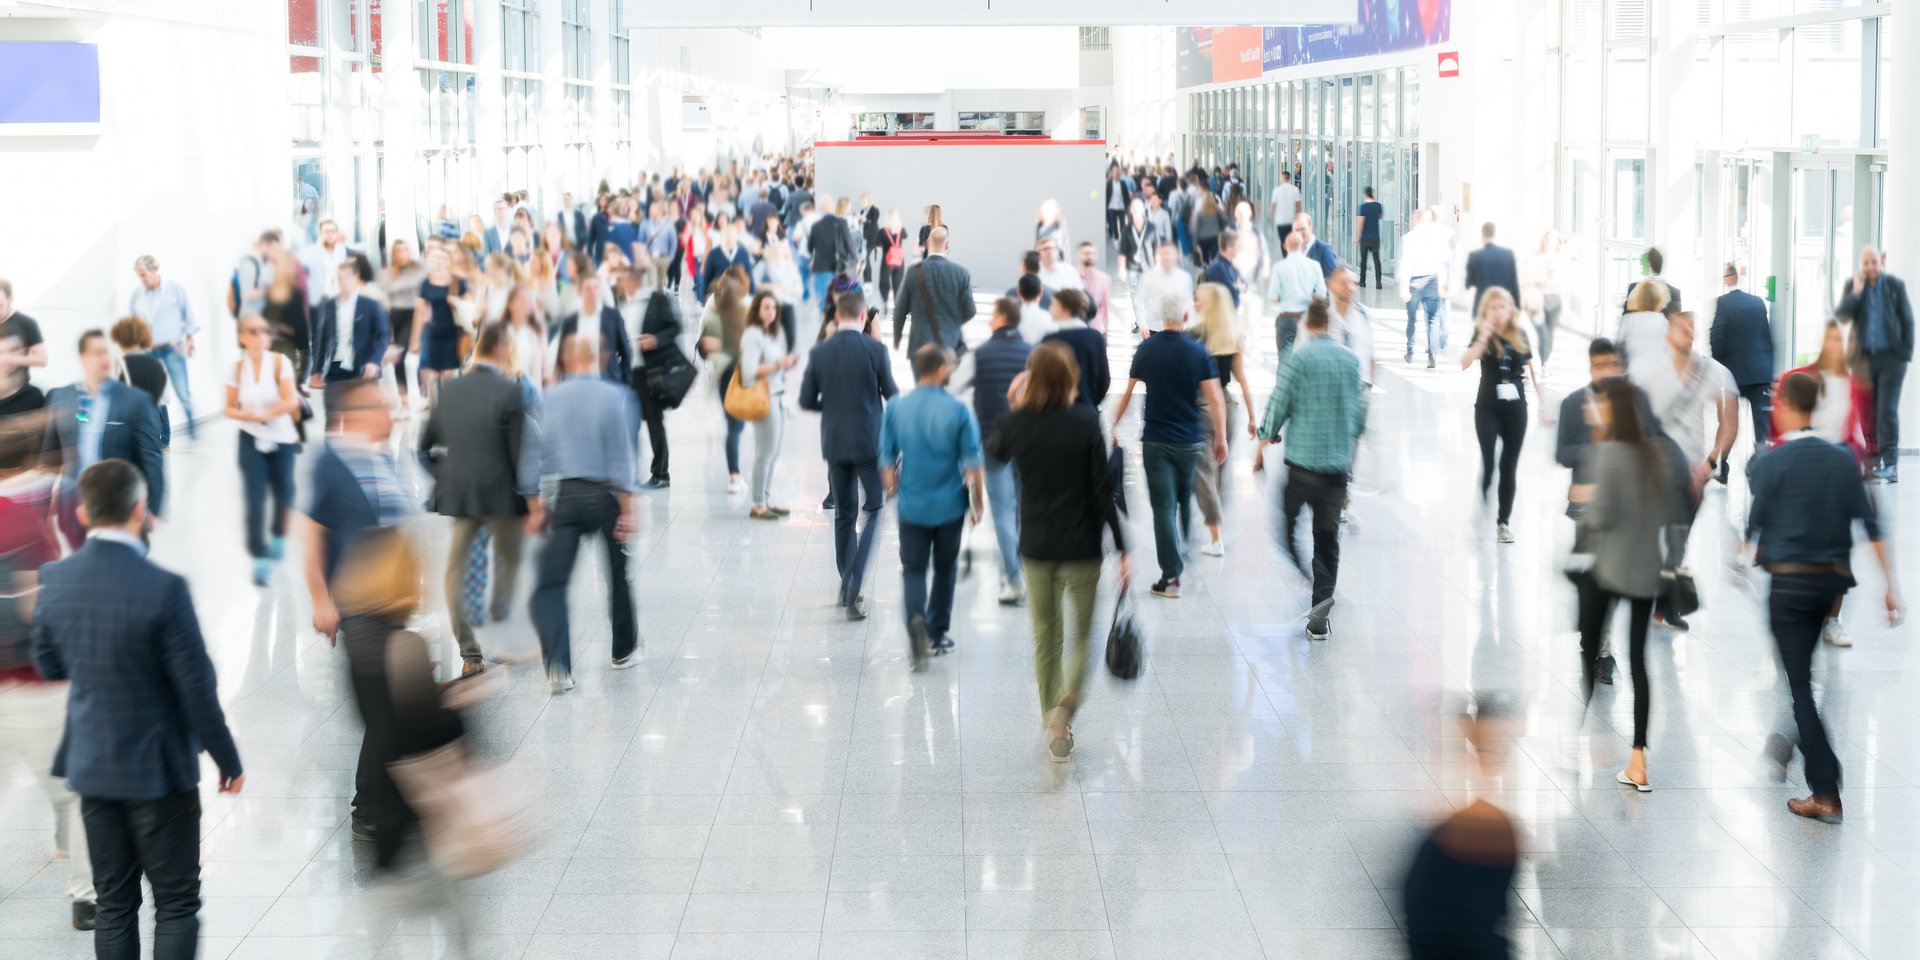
(33, 710)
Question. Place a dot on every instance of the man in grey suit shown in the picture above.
(848, 380)
(938, 294)
(477, 445)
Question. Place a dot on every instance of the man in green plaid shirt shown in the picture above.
(1320, 403)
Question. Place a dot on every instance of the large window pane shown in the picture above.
(1826, 83)
(303, 22)
(1627, 89)
(307, 88)
(1751, 115)
(1629, 214)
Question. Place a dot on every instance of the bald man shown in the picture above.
(1882, 317)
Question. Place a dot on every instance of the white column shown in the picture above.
(399, 45)
(1902, 241)
(1672, 130)
(553, 109)
(491, 108)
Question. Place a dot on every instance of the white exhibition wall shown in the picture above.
(989, 192)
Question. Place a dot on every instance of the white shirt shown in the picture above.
(1683, 405)
(343, 312)
(1296, 281)
(1354, 328)
(1156, 285)
(259, 389)
(1286, 204)
(323, 272)
(1035, 323)
(1642, 339)
(1830, 413)
(1426, 251)
(1060, 276)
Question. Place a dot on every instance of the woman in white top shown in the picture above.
(1643, 328)
(763, 353)
(529, 336)
(778, 273)
(261, 398)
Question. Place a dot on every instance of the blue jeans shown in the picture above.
(581, 509)
(1169, 468)
(1003, 497)
(817, 284)
(176, 364)
(918, 546)
(260, 473)
(1426, 296)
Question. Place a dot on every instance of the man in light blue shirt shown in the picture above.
(1297, 282)
(930, 461)
(163, 305)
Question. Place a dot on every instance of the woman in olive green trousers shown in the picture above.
(1066, 496)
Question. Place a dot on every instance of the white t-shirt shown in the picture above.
(1155, 286)
(1286, 203)
(1830, 414)
(259, 388)
(1355, 329)
(1684, 404)
(1035, 323)
(1061, 277)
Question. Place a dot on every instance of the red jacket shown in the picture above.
(1858, 434)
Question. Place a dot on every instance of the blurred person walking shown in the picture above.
(891, 243)
(1166, 278)
(1425, 265)
(350, 338)
(1503, 347)
(763, 355)
(1319, 404)
(262, 399)
(1807, 495)
(401, 282)
(142, 704)
(1632, 490)
(588, 481)
(1099, 290)
(848, 379)
(100, 418)
(435, 338)
(1297, 282)
(1068, 492)
(480, 447)
(163, 304)
(658, 349)
(1878, 305)
(930, 464)
(1573, 448)
(1089, 346)
(1540, 290)
(1651, 263)
(21, 349)
(1460, 882)
(1741, 339)
(988, 371)
(938, 295)
(1491, 267)
(1218, 330)
(1366, 238)
(284, 305)
(1642, 333)
(1175, 370)
(140, 369)
(722, 325)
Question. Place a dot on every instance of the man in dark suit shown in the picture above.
(848, 380)
(1742, 340)
(1652, 261)
(474, 444)
(1882, 317)
(101, 418)
(142, 705)
(1492, 266)
(726, 253)
(938, 294)
(616, 353)
(350, 336)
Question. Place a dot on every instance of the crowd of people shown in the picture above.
(537, 350)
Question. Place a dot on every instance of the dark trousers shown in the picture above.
(1371, 248)
(918, 545)
(890, 279)
(1116, 222)
(1797, 607)
(1596, 604)
(581, 509)
(1506, 422)
(1887, 372)
(1326, 493)
(1759, 397)
(400, 322)
(654, 411)
(1286, 328)
(855, 488)
(261, 473)
(1169, 468)
(376, 800)
(1206, 249)
(160, 840)
(734, 426)
(1549, 323)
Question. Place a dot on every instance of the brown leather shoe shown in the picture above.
(1822, 807)
(471, 667)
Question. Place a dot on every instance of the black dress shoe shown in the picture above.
(1603, 671)
(86, 916)
(659, 483)
(942, 645)
(361, 830)
(827, 504)
(857, 608)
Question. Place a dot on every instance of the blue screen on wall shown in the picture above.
(49, 83)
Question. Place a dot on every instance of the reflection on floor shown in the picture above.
(772, 782)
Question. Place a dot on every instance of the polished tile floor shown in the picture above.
(772, 782)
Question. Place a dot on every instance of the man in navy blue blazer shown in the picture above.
(616, 351)
(354, 347)
(142, 705)
(101, 418)
(1492, 266)
(848, 381)
(1742, 340)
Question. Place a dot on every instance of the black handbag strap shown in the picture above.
(933, 318)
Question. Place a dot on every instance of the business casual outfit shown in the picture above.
(147, 374)
(586, 467)
(1067, 496)
(474, 444)
(661, 321)
(343, 347)
(1296, 282)
(1742, 341)
(440, 340)
(719, 261)
(932, 440)
(1371, 213)
(142, 705)
(938, 294)
(1156, 286)
(1883, 318)
(988, 371)
(170, 316)
(1492, 266)
(1500, 416)
(848, 378)
(1223, 272)
(1319, 403)
(830, 242)
(117, 422)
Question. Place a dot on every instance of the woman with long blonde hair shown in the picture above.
(1218, 330)
(1503, 347)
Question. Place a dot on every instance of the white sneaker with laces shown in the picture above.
(735, 485)
(1835, 633)
(1216, 548)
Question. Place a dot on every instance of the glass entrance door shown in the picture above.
(1822, 239)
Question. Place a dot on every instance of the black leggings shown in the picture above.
(1505, 421)
(1595, 604)
(401, 319)
(890, 278)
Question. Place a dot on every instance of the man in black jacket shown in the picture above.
(1652, 262)
(1742, 341)
(848, 380)
(831, 243)
(1883, 318)
(661, 364)
(1492, 266)
(474, 444)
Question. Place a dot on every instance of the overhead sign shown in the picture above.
(49, 83)
(1379, 26)
(911, 13)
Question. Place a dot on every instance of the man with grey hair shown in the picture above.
(162, 303)
(1883, 318)
(938, 294)
(1177, 371)
(1163, 280)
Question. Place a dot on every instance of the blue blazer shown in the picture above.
(616, 352)
(370, 335)
(717, 265)
(848, 380)
(143, 700)
(1741, 338)
(132, 434)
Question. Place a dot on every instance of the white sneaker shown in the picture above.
(736, 485)
(1011, 595)
(559, 683)
(1504, 534)
(1216, 548)
(1835, 633)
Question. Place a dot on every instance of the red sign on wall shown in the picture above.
(1236, 53)
(1449, 63)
